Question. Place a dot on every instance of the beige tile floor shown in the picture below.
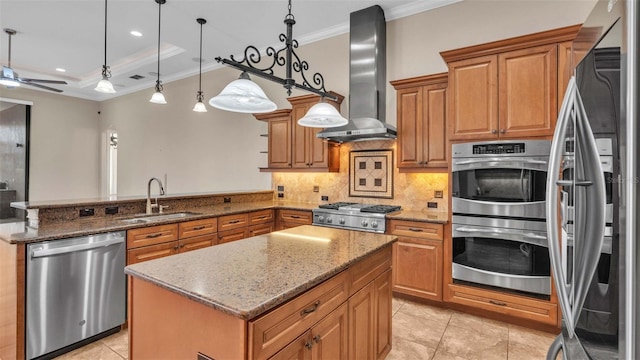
(419, 332)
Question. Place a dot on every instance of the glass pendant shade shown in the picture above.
(158, 98)
(244, 96)
(105, 86)
(322, 115)
(199, 107)
(8, 82)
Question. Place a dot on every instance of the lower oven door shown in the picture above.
(508, 258)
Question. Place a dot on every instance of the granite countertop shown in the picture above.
(249, 277)
(19, 232)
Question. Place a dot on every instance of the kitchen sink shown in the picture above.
(144, 219)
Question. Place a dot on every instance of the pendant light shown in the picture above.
(244, 96)
(322, 115)
(158, 97)
(105, 85)
(199, 107)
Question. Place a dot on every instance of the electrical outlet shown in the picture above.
(111, 210)
(432, 205)
(226, 200)
(280, 195)
(324, 198)
(438, 194)
(316, 188)
(280, 187)
(87, 212)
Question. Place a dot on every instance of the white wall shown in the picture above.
(64, 160)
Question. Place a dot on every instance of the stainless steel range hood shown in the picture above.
(367, 80)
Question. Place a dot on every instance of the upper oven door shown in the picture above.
(500, 186)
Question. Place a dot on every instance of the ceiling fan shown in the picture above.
(10, 78)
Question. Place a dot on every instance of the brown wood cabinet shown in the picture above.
(163, 240)
(421, 120)
(296, 148)
(288, 218)
(417, 258)
(244, 225)
(505, 89)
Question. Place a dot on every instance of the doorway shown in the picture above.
(14, 158)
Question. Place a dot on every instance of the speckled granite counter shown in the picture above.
(18, 232)
(425, 215)
(249, 277)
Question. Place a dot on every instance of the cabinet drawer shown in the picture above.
(274, 330)
(235, 221)
(260, 229)
(524, 308)
(151, 252)
(261, 217)
(416, 229)
(197, 227)
(232, 235)
(197, 242)
(151, 235)
(365, 271)
(296, 216)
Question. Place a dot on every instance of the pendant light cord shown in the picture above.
(105, 32)
(159, 20)
(200, 60)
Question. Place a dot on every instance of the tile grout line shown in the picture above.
(442, 336)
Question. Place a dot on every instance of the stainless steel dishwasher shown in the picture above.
(76, 289)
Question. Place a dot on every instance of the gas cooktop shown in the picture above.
(353, 216)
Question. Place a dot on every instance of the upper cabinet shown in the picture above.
(421, 121)
(296, 148)
(508, 88)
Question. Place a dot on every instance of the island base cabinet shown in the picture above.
(370, 320)
(163, 324)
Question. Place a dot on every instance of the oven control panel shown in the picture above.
(502, 148)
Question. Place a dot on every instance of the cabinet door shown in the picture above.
(234, 221)
(361, 324)
(151, 252)
(382, 298)
(300, 150)
(527, 92)
(434, 130)
(409, 118)
(261, 229)
(473, 98)
(280, 142)
(299, 349)
(417, 267)
(197, 242)
(330, 336)
(232, 235)
(151, 235)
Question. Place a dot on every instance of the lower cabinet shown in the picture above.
(417, 258)
(241, 226)
(291, 218)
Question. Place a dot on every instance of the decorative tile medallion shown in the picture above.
(371, 173)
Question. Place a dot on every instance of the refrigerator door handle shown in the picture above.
(553, 173)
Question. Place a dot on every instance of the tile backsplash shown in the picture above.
(410, 190)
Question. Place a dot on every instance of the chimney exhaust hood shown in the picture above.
(367, 80)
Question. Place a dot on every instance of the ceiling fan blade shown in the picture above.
(25, 80)
(40, 86)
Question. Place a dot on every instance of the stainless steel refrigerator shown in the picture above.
(592, 190)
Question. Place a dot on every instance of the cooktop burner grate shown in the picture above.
(335, 206)
(380, 209)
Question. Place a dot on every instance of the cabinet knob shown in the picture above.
(175, 247)
(494, 131)
(502, 131)
(308, 345)
(317, 338)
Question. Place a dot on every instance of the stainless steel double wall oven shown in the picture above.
(498, 203)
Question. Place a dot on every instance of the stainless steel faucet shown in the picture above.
(149, 205)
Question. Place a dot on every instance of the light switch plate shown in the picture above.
(438, 194)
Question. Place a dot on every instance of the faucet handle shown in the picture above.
(162, 207)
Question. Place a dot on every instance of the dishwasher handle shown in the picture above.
(39, 252)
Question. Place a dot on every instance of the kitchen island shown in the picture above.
(307, 289)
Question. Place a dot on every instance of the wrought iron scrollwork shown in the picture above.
(284, 57)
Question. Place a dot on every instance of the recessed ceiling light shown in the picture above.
(135, 33)
(61, 70)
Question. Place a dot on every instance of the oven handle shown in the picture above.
(504, 162)
(508, 160)
(530, 238)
